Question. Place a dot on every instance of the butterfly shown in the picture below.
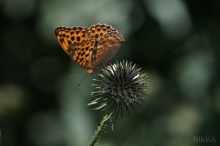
(90, 48)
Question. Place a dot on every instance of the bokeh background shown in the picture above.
(177, 42)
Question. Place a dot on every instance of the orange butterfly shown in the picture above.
(90, 48)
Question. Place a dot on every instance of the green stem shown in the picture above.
(100, 127)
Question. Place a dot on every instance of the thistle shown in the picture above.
(119, 87)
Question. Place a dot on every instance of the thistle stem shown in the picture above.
(100, 127)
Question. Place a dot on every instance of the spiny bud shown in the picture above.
(119, 86)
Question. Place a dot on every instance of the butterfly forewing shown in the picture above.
(95, 31)
(70, 35)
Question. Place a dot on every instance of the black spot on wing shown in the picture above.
(77, 32)
(83, 53)
(78, 38)
(96, 36)
(62, 40)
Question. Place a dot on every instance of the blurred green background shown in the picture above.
(177, 42)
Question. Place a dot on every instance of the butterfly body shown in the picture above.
(90, 48)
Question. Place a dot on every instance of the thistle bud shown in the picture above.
(119, 87)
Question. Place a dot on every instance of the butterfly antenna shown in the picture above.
(82, 79)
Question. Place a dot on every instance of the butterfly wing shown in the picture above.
(70, 35)
(89, 48)
(81, 53)
(97, 30)
(105, 48)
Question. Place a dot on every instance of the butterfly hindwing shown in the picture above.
(106, 47)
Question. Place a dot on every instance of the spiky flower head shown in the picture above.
(120, 86)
